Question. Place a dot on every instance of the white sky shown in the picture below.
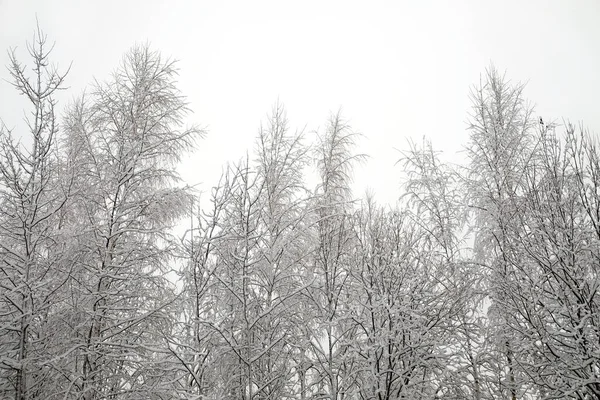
(399, 69)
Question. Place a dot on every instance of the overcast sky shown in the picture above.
(398, 69)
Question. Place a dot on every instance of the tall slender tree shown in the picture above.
(32, 194)
(129, 134)
(499, 151)
(329, 331)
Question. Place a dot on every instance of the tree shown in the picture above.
(281, 160)
(127, 136)
(32, 195)
(441, 284)
(240, 284)
(329, 328)
(250, 255)
(500, 149)
(195, 343)
(553, 300)
(392, 344)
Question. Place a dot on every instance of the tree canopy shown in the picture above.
(480, 282)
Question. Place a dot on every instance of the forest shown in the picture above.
(481, 281)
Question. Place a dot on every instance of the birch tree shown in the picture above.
(257, 266)
(281, 161)
(438, 281)
(129, 135)
(554, 301)
(32, 194)
(240, 284)
(195, 344)
(499, 151)
(330, 330)
(394, 344)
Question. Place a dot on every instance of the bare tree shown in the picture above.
(329, 329)
(194, 343)
(437, 282)
(553, 300)
(240, 284)
(128, 135)
(281, 160)
(32, 194)
(396, 341)
(500, 149)
(255, 267)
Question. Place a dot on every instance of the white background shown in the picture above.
(398, 70)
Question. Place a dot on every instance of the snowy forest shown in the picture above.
(117, 281)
